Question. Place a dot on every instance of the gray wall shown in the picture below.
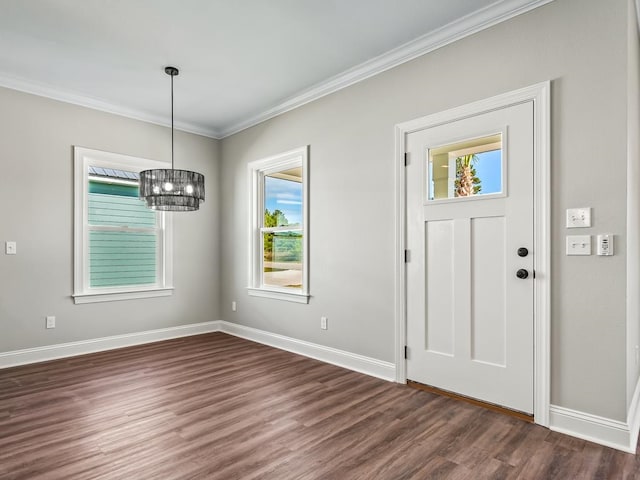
(582, 47)
(633, 201)
(36, 202)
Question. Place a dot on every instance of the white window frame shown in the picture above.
(83, 293)
(258, 169)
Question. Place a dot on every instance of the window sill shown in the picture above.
(80, 298)
(279, 295)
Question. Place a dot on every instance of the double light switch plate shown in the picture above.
(578, 217)
(578, 244)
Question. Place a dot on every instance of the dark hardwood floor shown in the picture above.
(218, 407)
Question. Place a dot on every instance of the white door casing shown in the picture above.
(483, 351)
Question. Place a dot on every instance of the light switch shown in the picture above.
(10, 248)
(578, 244)
(578, 217)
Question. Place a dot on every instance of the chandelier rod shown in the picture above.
(172, 74)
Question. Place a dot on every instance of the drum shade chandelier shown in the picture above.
(169, 189)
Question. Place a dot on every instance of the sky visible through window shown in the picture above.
(489, 171)
(284, 195)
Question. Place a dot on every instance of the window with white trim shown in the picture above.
(279, 225)
(122, 248)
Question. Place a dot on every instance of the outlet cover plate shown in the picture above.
(10, 248)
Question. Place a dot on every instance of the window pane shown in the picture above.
(465, 169)
(282, 259)
(282, 199)
(118, 205)
(121, 245)
(121, 258)
(279, 244)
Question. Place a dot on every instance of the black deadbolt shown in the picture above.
(523, 252)
(522, 273)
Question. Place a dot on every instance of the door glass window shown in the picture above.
(466, 169)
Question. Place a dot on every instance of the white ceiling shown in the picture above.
(240, 61)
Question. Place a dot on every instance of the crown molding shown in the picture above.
(54, 93)
(468, 25)
(489, 16)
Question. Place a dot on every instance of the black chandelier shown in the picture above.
(169, 189)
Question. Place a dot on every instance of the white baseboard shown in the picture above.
(341, 358)
(71, 349)
(633, 417)
(604, 431)
(351, 361)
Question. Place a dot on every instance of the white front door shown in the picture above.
(470, 297)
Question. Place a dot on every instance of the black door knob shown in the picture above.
(523, 252)
(522, 273)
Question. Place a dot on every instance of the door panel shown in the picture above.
(441, 294)
(488, 308)
(469, 318)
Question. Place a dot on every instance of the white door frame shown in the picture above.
(540, 95)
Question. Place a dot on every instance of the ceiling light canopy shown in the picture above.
(169, 189)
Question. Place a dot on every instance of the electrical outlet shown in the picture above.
(233, 306)
(51, 321)
(323, 323)
(10, 248)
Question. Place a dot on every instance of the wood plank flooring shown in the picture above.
(218, 407)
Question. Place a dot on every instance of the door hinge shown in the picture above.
(406, 159)
(407, 256)
(406, 352)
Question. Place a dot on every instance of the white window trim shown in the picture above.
(257, 170)
(82, 292)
